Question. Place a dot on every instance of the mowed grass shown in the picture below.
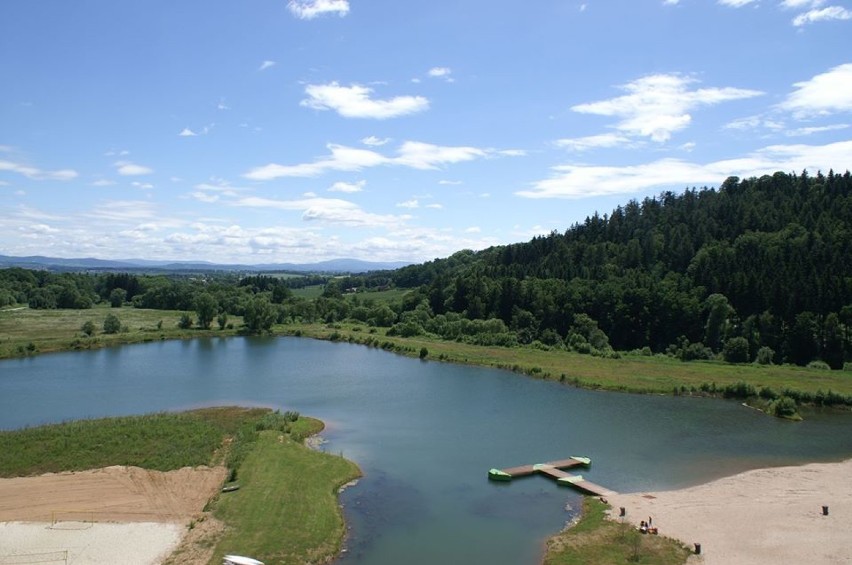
(161, 442)
(286, 509)
(24, 331)
(630, 373)
(596, 540)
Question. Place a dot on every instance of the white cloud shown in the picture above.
(799, 4)
(657, 106)
(582, 181)
(186, 132)
(450, 182)
(103, 182)
(126, 168)
(142, 185)
(310, 9)
(824, 94)
(348, 187)
(441, 72)
(420, 155)
(354, 102)
(266, 64)
(823, 14)
(34, 173)
(221, 104)
(411, 154)
(326, 210)
(413, 203)
(435, 206)
(473, 229)
(736, 3)
(374, 141)
(593, 142)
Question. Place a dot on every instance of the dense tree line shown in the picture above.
(764, 261)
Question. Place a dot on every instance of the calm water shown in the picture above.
(426, 433)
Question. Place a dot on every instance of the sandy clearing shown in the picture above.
(139, 543)
(764, 516)
(153, 507)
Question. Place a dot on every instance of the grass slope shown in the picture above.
(596, 540)
(286, 510)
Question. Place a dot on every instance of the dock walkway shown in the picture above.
(555, 470)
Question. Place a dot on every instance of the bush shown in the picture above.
(784, 407)
(112, 325)
(88, 328)
(185, 321)
(819, 365)
(765, 355)
(424, 353)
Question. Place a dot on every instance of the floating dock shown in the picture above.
(555, 470)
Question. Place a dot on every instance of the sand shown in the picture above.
(113, 515)
(765, 516)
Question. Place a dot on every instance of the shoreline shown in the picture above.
(763, 516)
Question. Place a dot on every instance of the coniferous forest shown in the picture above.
(757, 270)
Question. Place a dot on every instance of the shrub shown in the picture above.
(765, 355)
(819, 365)
(185, 321)
(784, 407)
(424, 353)
(112, 325)
(88, 328)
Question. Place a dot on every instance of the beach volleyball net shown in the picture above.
(46, 557)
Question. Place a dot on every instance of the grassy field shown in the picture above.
(596, 540)
(286, 510)
(161, 442)
(630, 373)
(25, 332)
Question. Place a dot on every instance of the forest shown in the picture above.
(756, 270)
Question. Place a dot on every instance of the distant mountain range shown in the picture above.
(144, 265)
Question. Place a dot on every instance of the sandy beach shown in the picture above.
(764, 516)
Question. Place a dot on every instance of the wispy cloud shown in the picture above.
(374, 141)
(34, 173)
(815, 129)
(593, 142)
(325, 210)
(736, 3)
(186, 132)
(310, 9)
(657, 106)
(127, 168)
(582, 181)
(355, 102)
(413, 154)
(821, 15)
(411, 204)
(266, 65)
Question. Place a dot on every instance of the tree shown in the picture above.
(719, 310)
(117, 297)
(185, 321)
(112, 325)
(206, 307)
(735, 350)
(222, 320)
(259, 315)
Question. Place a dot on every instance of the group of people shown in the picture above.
(646, 527)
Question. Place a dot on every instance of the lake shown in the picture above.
(425, 433)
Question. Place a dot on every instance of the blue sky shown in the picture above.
(276, 131)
